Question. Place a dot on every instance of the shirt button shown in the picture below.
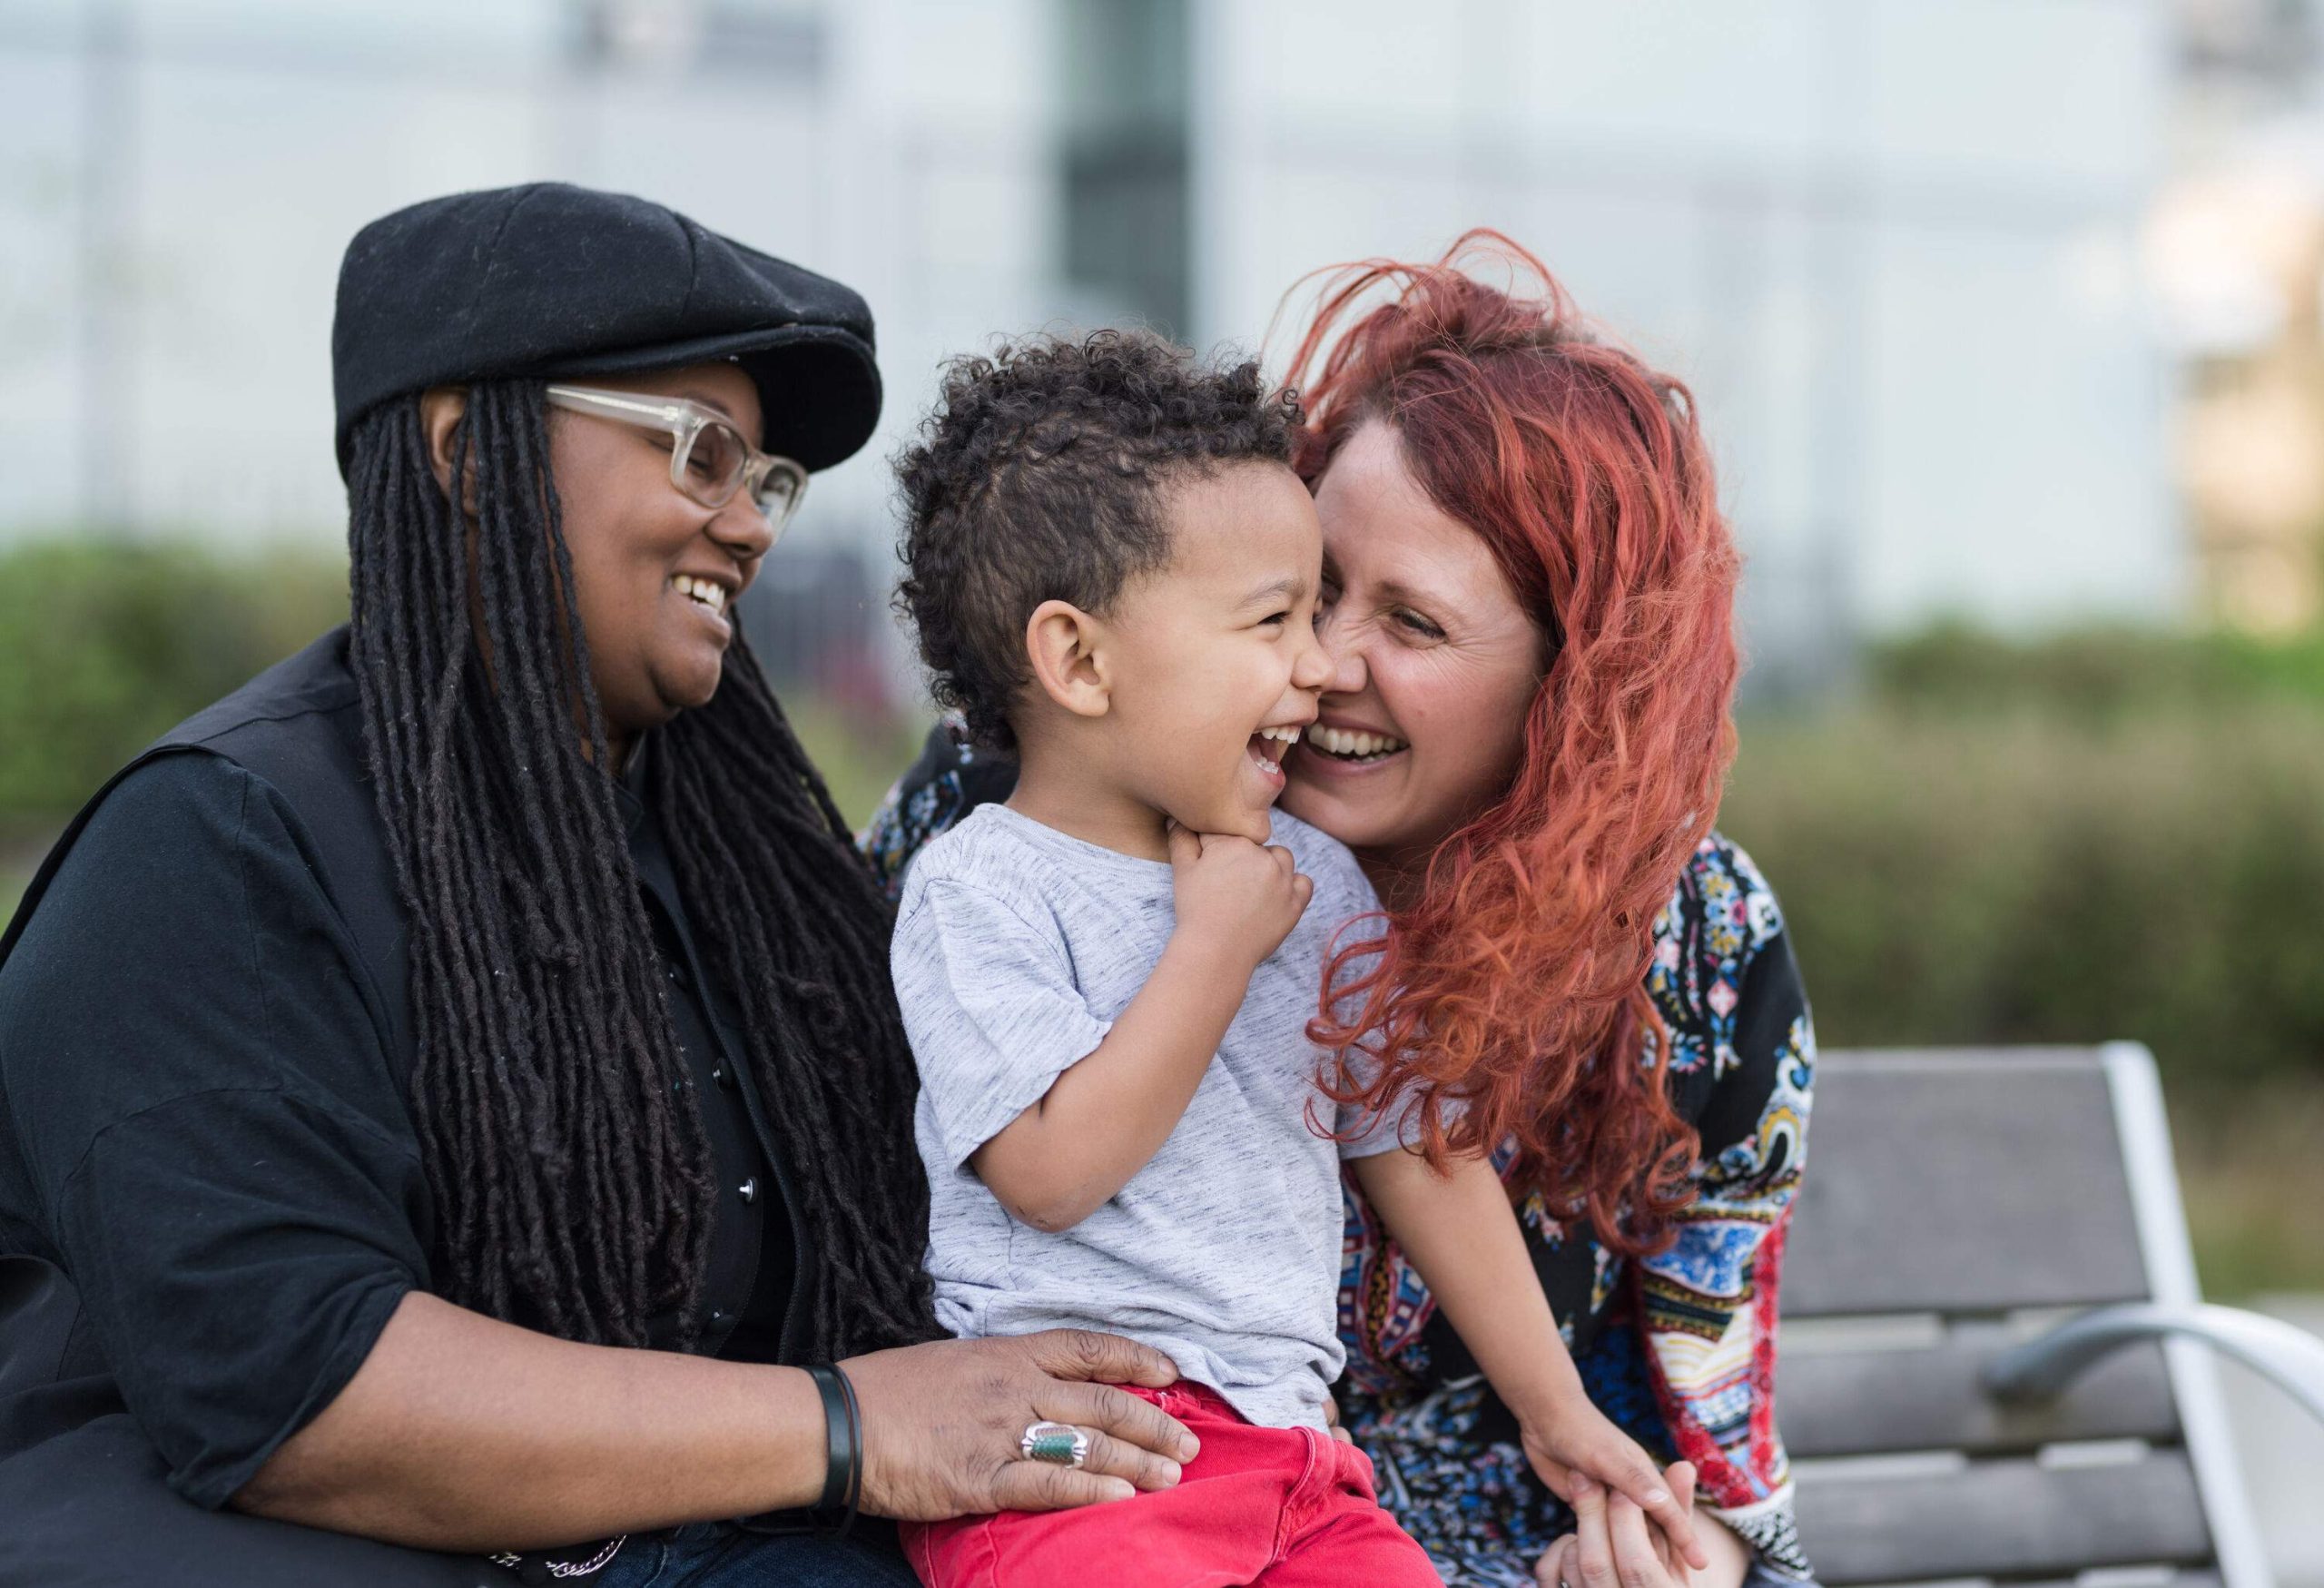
(718, 1073)
(718, 1317)
(749, 1190)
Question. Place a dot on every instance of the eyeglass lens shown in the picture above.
(778, 494)
(714, 464)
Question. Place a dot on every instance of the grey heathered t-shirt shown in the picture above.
(1016, 948)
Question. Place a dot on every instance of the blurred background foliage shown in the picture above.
(104, 643)
(2104, 835)
(2110, 833)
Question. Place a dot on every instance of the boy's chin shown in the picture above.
(1258, 827)
(1243, 809)
(1232, 818)
(1242, 821)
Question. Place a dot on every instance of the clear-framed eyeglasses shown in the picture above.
(710, 460)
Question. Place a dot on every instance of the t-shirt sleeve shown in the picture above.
(1369, 1133)
(200, 1097)
(990, 1003)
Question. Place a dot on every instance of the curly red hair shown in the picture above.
(1515, 982)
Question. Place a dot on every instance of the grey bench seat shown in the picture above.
(1994, 1364)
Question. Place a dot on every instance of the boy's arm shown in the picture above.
(1461, 1236)
(1103, 1118)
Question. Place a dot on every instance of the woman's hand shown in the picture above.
(1578, 1449)
(942, 1424)
(1611, 1545)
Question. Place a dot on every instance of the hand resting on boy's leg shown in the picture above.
(971, 1463)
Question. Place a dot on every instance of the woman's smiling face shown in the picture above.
(1435, 664)
(657, 573)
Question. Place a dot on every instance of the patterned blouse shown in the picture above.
(1677, 1349)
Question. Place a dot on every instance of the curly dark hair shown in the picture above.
(1039, 476)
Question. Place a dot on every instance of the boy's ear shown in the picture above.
(1061, 642)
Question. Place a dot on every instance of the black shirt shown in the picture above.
(204, 1047)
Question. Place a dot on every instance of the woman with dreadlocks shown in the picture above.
(452, 1098)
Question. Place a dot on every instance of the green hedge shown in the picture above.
(2097, 678)
(1987, 853)
(104, 643)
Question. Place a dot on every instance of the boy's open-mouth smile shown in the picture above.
(1268, 748)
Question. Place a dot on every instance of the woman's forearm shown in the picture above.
(1463, 1238)
(462, 1433)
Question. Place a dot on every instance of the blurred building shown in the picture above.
(1892, 243)
(2242, 254)
(2235, 252)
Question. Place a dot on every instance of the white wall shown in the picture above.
(255, 137)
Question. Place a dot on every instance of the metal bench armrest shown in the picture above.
(2039, 1369)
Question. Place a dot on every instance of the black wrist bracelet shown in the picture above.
(855, 1434)
(843, 1448)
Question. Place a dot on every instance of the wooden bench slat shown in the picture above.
(2001, 1519)
(1840, 1401)
(1962, 1184)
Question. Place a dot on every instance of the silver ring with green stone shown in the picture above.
(1059, 1444)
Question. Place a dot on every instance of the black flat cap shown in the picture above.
(563, 282)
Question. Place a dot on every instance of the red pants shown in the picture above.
(1282, 1507)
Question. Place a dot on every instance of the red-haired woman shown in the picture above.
(1530, 596)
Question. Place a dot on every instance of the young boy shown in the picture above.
(1106, 980)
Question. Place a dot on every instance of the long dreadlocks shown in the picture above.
(565, 1152)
